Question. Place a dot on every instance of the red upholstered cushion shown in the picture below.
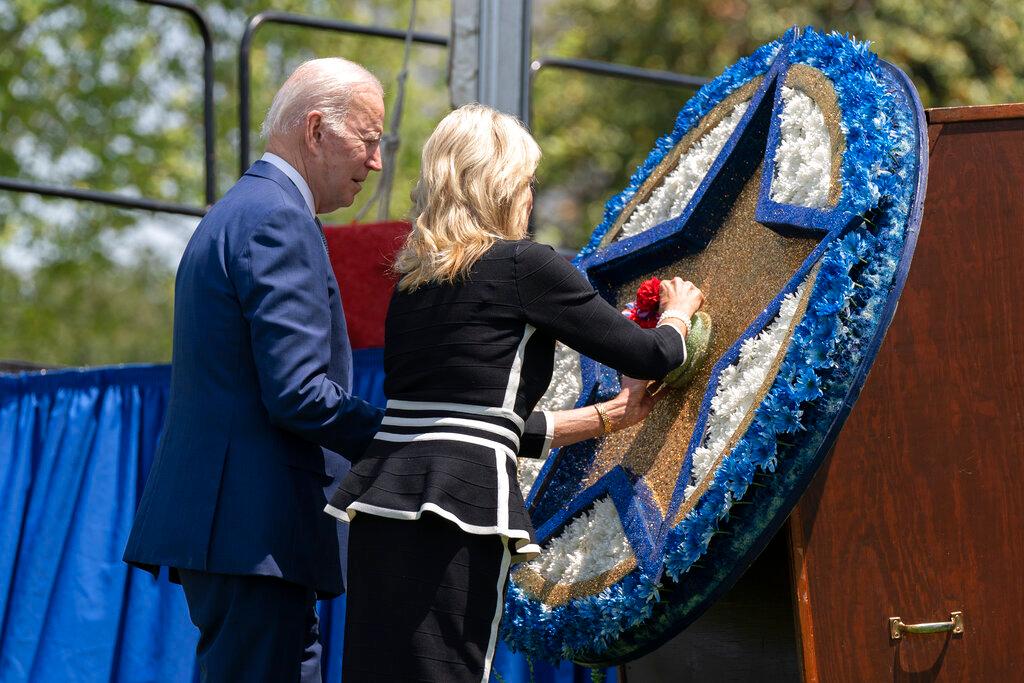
(362, 255)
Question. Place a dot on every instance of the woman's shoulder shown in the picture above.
(526, 250)
(518, 251)
(533, 257)
(507, 248)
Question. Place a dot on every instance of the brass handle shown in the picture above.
(955, 624)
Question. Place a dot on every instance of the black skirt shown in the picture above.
(424, 601)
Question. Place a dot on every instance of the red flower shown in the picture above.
(647, 298)
(644, 312)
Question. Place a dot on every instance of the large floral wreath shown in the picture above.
(834, 339)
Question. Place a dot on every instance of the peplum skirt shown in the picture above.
(457, 465)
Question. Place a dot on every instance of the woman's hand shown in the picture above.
(680, 295)
(629, 407)
(632, 405)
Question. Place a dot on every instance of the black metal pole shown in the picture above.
(100, 197)
(619, 71)
(612, 70)
(245, 50)
(209, 121)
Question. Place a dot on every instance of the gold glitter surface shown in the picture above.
(762, 391)
(710, 120)
(555, 594)
(740, 272)
(819, 88)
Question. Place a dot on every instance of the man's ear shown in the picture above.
(314, 131)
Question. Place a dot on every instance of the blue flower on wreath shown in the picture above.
(778, 414)
(761, 449)
(818, 356)
(694, 541)
(807, 387)
(713, 505)
(789, 368)
(831, 300)
(832, 270)
(858, 243)
(737, 471)
(825, 328)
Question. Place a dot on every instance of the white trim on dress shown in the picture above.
(458, 408)
(451, 422)
(446, 436)
(502, 477)
(515, 372)
(523, 545)
(499, 603)
(549, 434)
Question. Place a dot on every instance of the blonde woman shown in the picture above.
(436, 514)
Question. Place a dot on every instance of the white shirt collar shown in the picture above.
(294, 176)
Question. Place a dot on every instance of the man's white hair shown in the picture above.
(322, 84)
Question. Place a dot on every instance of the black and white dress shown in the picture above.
(465, 364)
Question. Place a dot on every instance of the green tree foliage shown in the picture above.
(87, 103)
(106, 94)
(595, 130)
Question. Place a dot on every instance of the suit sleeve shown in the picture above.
(280, 283)
(557, 298)
(537, 435)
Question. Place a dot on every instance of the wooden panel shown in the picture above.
(988, 112)
(920, 508)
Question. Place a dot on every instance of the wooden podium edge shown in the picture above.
(986, 112)
(808, 658)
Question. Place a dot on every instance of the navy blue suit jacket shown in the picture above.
(260, 380)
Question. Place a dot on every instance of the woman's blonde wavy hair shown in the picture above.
(474, 189)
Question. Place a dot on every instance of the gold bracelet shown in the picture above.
(606, 423)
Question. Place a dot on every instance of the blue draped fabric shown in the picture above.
(75, 448)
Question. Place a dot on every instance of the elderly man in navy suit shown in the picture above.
(261, 379)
